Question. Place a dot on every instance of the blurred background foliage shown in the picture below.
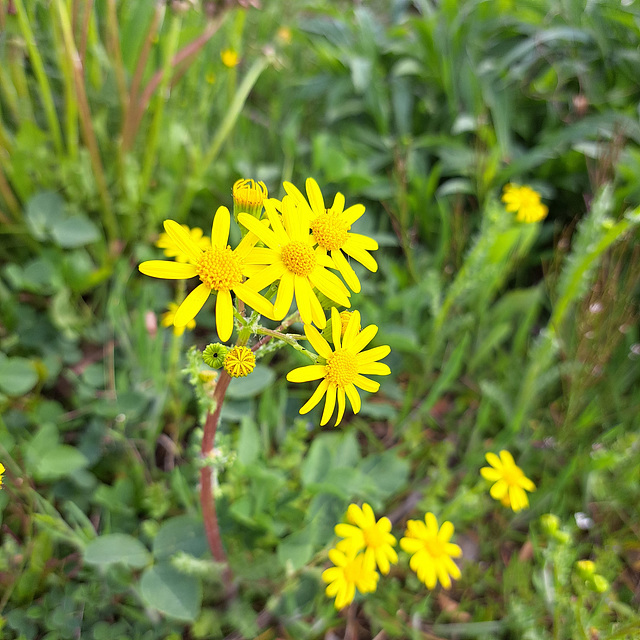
(117, 115)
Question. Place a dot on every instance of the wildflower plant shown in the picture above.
(510, 483)
(290, 251)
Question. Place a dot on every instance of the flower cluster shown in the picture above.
(509, 480)
(368, 544)
(525, 203)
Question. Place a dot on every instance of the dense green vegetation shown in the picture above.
(115, 116)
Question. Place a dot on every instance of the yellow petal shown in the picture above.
(374, 369)
(276, 222)
(315, 398)
(317, 341)
(315, 196)
(330, 285)
(306, 374)
(336, 328)
(317, 312)
(285, 295)
(354, 397)
(341, 406)
(266, 276)
(353, 213)
(491, 474)
(220, 228)
(361, 255)
(493, 460)
(262, 231)
(366, 384)
(371, 355)
(363, 338)
(499, 490)
(253, 299)
(167, 269)
(183, 240)
(303, 293)
(190, 306)
(224, 315)
(329, 405)
(345, 269)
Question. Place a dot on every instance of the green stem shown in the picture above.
(46, 94)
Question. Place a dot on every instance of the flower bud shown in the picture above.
(214, 355)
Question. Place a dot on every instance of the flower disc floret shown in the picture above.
(330, 231)
(220, 269)
(239, 362)
(299, 258)
(342, 368)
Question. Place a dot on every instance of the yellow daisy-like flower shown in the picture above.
(365, 533)
(432, 551)
(350, 572)
(509, 480)
(172, 250)
(239, 362)
(220, 270)
(289, 256)
(330, 229)
(1, 472)
(168, 317)
(230, 58)
(344, 367)
(525, 203)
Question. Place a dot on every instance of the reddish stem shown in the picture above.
(207, 501)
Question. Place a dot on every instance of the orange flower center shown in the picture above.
(341, 368)
(330, 231)
(239, 362)
(299, 258)
(220, 269)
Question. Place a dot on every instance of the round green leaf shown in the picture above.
(176, 595)
(74, 232)
(182, 533)
(257, 381)
(117, 547)
(17, 375)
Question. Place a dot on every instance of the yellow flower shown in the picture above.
(220, 270)
(365, 533)
(510, 483)
(230, 58)
(289, 256)
(239, 362)
(344, 367)
(330, 229)
(168, 316)
(350, 572)
(432, 551)
(1, 472)
(525, 203)
(172, 250)
(248, 196)
(284, 34)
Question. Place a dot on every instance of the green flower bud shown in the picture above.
(214, 355)
(600, 583)
(562, 537)
(586, 568)
(550, 523)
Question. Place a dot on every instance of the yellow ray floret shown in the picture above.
(364, 533)
(220, 270)
(525, 203)
(344, 367)
(509, 480)
(350, 572)
(171, 249)
(289, 256)
(432, 551)
(331, 230)
(169, 316)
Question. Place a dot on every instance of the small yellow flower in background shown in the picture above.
(586, 568)
(525, 203)
(239, 362)
(510, 481)
(432, 551)
(365, 533)
(248, 196)
(1, 472)
(330, 229)
(173, 250)
(350, 572)
(168, 317)
(230, 58)
(344, 368)
(220, 270)
(289, 256)
(284, 34)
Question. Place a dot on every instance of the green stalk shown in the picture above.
(109, 219)
(113, 42)
(46, 94)
(222, 133)
(151, 145)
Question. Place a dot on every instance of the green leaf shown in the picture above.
(182, 533)
(172, 593)
(249, 442)
(59, 462)
(17, 375)
(74, 232)
(42, 211)
(117, 547)
(248, 387)
(296, 550)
